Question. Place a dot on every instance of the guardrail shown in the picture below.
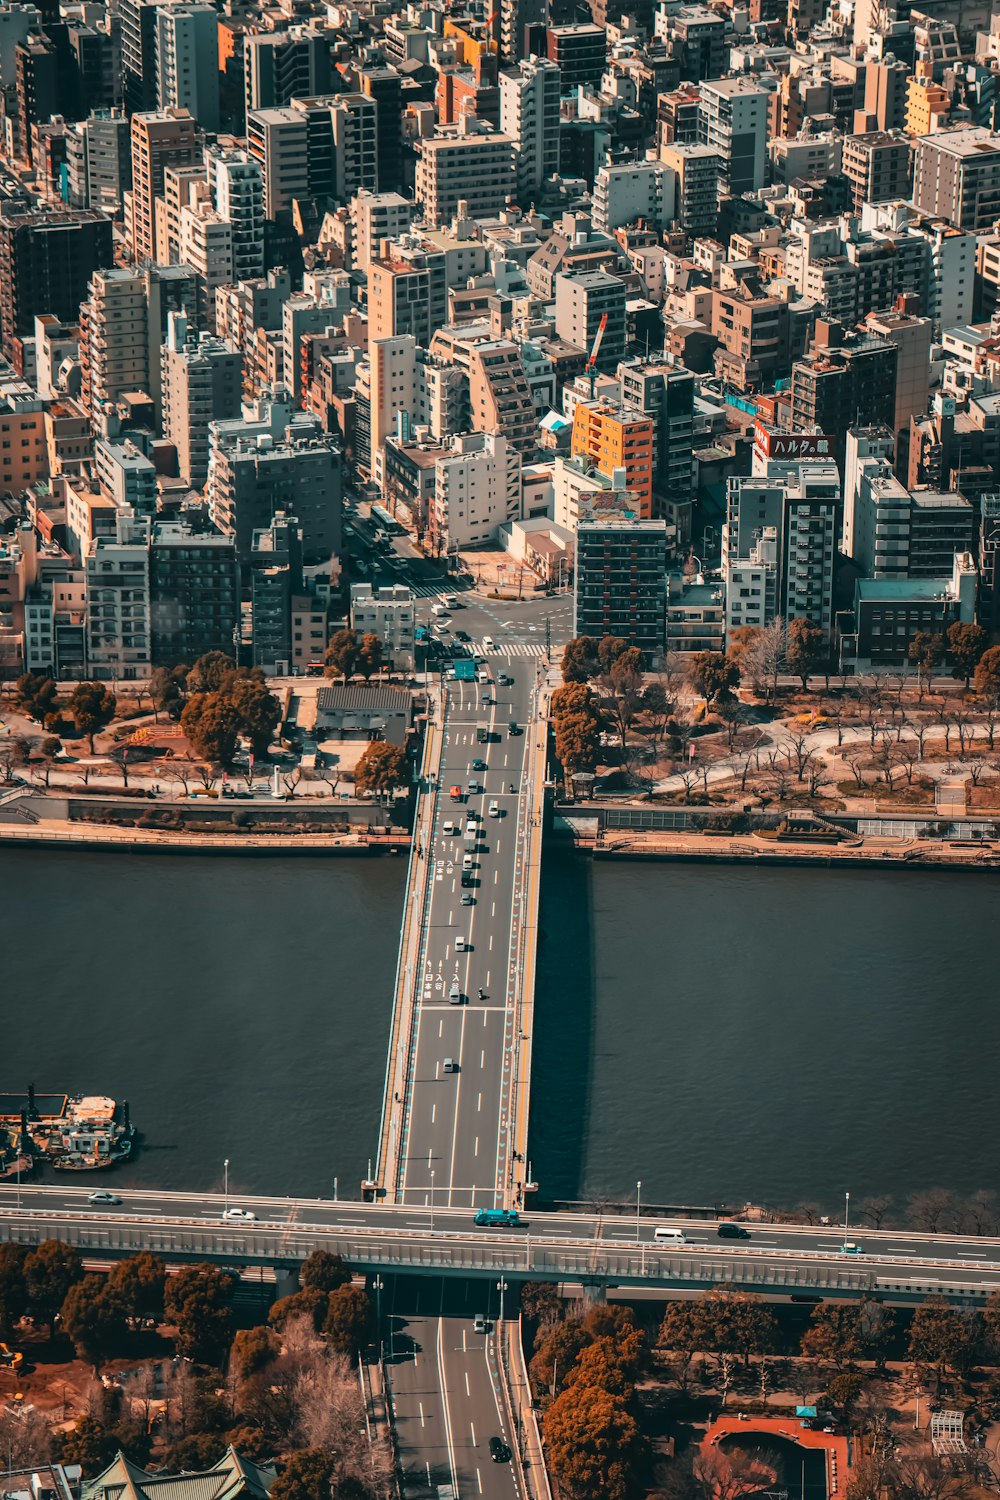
(407, 975)
(527, 1438)
(525, 1257)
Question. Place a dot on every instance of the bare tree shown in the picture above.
(180, 771)
(207, 774)
(856, 759)
(800, 751)
(964, 728)
(933, 1211)
(293, 780)
(991, 712)
(907, 756)
(817, 777)
(874, 1210)
(975, 767)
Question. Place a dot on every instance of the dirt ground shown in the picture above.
(57, 1384)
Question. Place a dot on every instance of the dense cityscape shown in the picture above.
(533, 473)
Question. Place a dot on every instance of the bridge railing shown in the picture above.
(407, 976)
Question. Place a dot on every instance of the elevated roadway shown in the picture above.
(600, 1250)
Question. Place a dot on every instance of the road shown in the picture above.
(455, 1114)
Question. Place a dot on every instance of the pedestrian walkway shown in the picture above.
(518, 648)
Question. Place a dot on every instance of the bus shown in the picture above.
(382, 517)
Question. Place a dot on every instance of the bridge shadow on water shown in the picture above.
(565, 999)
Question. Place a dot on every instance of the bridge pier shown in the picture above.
(595, 1293)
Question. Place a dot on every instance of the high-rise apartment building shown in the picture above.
(138, 55)
(625, 192)
(956, 176)
(160, 138)
(477, 488)
(516, 16)
(877, 165)
(620, 582)
(202, 382)
(733, 121)
(471, 164)
(499, 394)
(583, 300)
(618, 442)
(187, 61)
(529, 114)
(123, 327)
(283, 65)
(376, 217)
(38, 93)
(322, 147)
(194, 594)
(47, 257)
(384, 87)
(237, 190)
(580, 52)
(802, 503)
(698, 170)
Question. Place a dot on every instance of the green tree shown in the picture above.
(305, 1476)
(259, 710)
(164, 693)
(577, 741)
(370, 658)
(49, 1272)
(93, 707)
(579, 659)
(324, 1270)
(198, 1301)
(941, 1335)
(138, 1283)
(845, 1388)
(194, 1453)
(926, 653)
(35, 695)
(382, 768)
(609, 648)
(253, 1350)
(613, 1362)
(683, 1332)
(807, 649)
(593, 1444)
(342, 654)
(212, 724)
(310, 1303)
(94, 1318)
(13, 1286)
(210, 672)
(967, 643)
(712, 674)
(987, 674)
(89, 1444)
(348, 1319)
(737, 1323)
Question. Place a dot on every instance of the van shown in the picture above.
(471, 833)
(479, 1323)
(448, 828)
(487, 643)
(448, 1066)
(460, 944)
(438, 609)
(454, 994)
(665, 1232)
(507, 1217)
(466, 861)
(483, 676)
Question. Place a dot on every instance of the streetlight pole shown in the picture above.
(225, 1168)
(501, 1288)
(432, 1200)
(638, 1192)
(377, 1287)
(847, 1216)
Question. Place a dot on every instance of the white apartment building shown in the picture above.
(187, 61)
(471, 163)
(118, 602)
(732, 119)
(390, 614)
(477, 489)
(237, 189)
(206, 244)
(752, 584)
(126, 476)
(627, 191)
(376, 217)
(810, 156)
(529, 114)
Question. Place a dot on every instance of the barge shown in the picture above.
(70, 1133)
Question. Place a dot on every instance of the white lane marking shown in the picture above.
(443, 1385)
(467, 1391)
(479, 1481)
(433, 1112)
(493, 909)
(482, 1059)
(491, 942)
(464, 1349)
(420, 1404)
(475, 1149)
(479, 1101)
(487, 978)
(472, 1429)
(436, 1066)
(441, 1026)
(495, 873)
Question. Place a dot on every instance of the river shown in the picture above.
(721, 1034)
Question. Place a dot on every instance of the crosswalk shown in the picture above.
(519, 648)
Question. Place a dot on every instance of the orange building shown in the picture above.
(610, 437)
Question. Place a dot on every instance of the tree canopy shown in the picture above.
(967, 642)
(199, 1301)
(382, 769)
(93, 707)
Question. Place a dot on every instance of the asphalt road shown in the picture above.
(905, 1247)
(452, 1141)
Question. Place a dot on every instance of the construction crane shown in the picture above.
(592, 361)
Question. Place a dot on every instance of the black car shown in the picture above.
(462, 635)
(499, 1451)
(732, 1232)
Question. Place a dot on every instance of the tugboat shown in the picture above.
(80, 1133)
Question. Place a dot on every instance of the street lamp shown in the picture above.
(225, 1167)
(501, 1288)
(847, 1216)
(432, 1200)
(378, 1286)
(638, 1191)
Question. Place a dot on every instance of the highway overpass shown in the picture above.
(597, 1250)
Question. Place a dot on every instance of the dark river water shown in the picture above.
(720, 1034)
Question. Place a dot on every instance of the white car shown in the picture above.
(460, 944)
(242, 1215)
(494, 809)
(102, 1199)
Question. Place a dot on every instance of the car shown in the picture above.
(732, 1232)
(499, 1451)
(241, 1215)
(494, 809)
(512, 727)
(449, 1065)
(454, 993)
(468, 899)
(103, 1199)
(479, 765)
(850, 1248)
(488, 701)
(474, 788)
(460, 944)
(468, 878)
(463, 635)
(479, 1324)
